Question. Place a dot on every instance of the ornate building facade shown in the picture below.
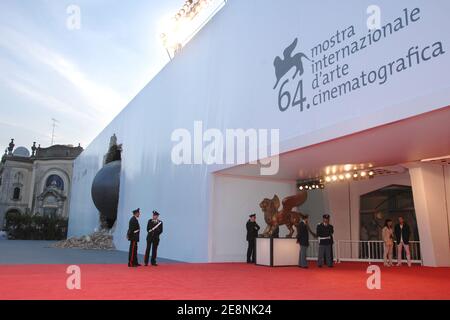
(38, 182)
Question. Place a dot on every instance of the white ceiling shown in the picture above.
(420, 137)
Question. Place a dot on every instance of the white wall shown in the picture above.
(83, 215)
(234, 199)
(429, 184)
(315, 206)
(447, 192)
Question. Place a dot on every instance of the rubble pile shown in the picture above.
(100, 240)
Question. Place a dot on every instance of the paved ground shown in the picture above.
(39, 252)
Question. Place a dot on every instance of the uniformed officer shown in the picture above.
(154, 230)
(324, 233)
(133, 237)
(303, 240)
(252, 234)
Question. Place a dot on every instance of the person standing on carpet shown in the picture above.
(325, 232)
(303, 240)
(402, 233)
(133, 237)
(154, 229)
(252, 234)
(388, 238)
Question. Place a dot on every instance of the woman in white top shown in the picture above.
(388, 239)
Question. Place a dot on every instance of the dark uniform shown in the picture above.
(325, 236)
(402, 233)
(252, 234)
(133, 237)
(154, 229)
(303, 241)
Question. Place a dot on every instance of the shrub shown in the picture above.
(35, 227)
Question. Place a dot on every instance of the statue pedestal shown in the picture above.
(277, 252)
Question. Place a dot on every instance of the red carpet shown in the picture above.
(222, 281)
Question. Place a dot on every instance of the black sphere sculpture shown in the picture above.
(105, 192)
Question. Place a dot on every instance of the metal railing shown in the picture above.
(365, 251)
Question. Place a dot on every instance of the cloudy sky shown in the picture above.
(80, 77)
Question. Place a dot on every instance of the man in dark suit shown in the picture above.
(325, 232)
(402, 234)
(252, 234)
(133, 237)
(154, 230)
(303, 241)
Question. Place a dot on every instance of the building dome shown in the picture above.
(21, 152)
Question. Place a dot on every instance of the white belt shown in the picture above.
(323, 238)
(136, 231)
(153, 229)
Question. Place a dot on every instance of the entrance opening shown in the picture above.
(376, 207)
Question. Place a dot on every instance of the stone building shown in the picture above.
(38, 182)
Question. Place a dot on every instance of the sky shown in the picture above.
(80, 77)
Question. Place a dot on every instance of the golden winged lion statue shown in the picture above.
(275, 217)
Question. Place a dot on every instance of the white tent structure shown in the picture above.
(346, 94)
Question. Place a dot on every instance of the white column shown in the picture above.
(430, 184)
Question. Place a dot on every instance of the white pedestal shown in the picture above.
(277, 252)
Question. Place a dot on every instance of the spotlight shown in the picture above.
(311, 184)
(355, 175)
(363, 174)
(348, 175)
(334, 178)
(347, 167)
(327, 178)
(341, 177)
(181, 27)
